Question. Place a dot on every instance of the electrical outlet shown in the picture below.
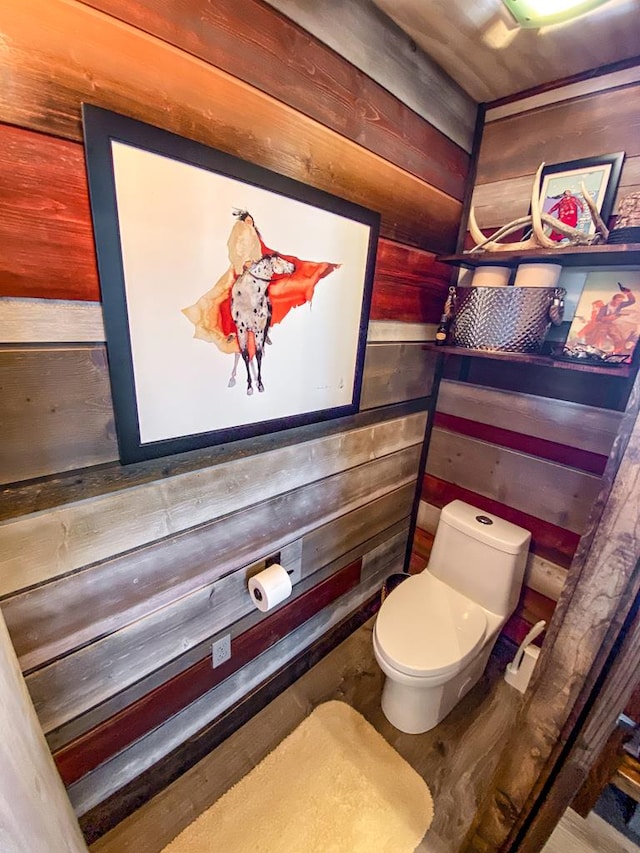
(221, 650)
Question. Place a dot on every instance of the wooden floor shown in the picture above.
(456, 759)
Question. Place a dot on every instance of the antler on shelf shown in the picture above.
(537, 219)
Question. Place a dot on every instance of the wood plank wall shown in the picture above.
(115, 580)
(526, 442)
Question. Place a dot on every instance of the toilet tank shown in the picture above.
(480, 555)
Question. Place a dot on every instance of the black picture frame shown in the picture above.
(165, 209)
(602, 172)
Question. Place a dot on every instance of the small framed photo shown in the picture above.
(561, 190)
(606, 325)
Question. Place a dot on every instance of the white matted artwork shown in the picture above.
(606, 322)
(236, 300)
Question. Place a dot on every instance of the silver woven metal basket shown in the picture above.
(506, 319)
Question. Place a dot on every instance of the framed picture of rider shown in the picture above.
(562, 188)
(606, 323)
(235, 299)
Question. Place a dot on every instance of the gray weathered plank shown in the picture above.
(555, 493)
(113, 774)
(57, 617)
(561, 421)
(41, 546)
(499, 202)
(78, 726)
(58, 416)
(56, 411)
(47, 321)
(397, 372)
(81, 680)
(36, 815)
(396, 331)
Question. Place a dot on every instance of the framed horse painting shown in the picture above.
(235, 299)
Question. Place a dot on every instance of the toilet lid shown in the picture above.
(426, 628)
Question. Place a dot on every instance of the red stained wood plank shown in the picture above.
(114, 65)
(575, 457)
(547, 540)
(47, 248)
(91, 749)
(253, 42)
(410, 285)
(46, 236)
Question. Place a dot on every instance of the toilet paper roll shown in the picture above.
(537, 275)
(491, 276)
(270, 587)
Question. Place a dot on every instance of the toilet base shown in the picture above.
(415, 709)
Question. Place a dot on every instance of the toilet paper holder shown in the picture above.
(256, 592)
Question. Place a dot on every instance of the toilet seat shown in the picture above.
(425, 628)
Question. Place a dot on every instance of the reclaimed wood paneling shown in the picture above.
(29, 321)
(80, 680)
(149, 750)
(53, 619)
(575, 86)
(548, 540)
(94, 717)
(56, 411)
(397, 372)
(588, 389)
(62, 397)
(385, 331)
(542, 448)
(570, 424)
(65, 488)
(44, 545)
(46, 236)
(84, 754)
(502, 201)
(388, 55)
(398, 264)
(268, 51)
(546, 490)
(48, 321)
(570, 130)
(199, 101)
(410, 284)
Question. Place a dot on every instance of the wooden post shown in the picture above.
(600, 591)
(35, 813)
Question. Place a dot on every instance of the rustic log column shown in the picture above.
(593, 606)
(35, 813)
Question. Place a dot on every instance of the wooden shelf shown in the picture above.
(605, 255)
(622, 372)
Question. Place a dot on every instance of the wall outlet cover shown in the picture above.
(221, 650)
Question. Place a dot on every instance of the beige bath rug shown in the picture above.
(333, 786)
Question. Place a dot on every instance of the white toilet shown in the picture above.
(435, 631)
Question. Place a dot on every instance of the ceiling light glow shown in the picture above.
(539, 13)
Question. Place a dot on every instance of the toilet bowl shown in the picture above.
(434, 633)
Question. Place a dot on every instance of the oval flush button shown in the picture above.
(484, 519)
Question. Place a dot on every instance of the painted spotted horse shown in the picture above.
(251, 308)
